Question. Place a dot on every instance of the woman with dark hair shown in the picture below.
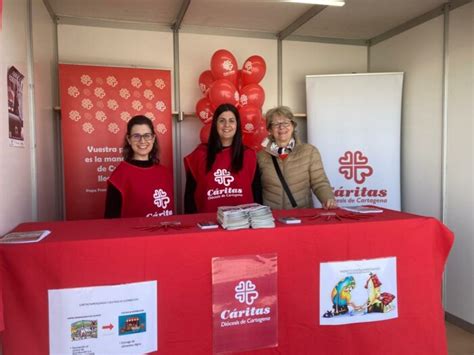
(139, 186)
(222, 172)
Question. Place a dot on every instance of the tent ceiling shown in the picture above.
(358, 19)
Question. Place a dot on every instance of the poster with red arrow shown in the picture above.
(119, 319)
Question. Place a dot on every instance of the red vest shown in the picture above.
(146, 192)
(221, 186)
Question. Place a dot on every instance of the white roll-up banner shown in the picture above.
(355, 122)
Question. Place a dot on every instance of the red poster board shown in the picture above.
(96, 104)
(244, 302)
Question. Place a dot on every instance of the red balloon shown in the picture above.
(252, 94)
(205, 81)
(223, 92)
(204, 134)
(250, 117)
(239, 79)
(247, 139)
(254, 140)
(253, 70)
(204, 110)
(261, 133)
(224, 66)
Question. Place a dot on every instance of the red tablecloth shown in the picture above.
(107, 252)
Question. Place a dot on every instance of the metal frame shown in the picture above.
(32, 112)
(100, 22)
(50, 11)
(300, 21)
(178, 198)
(444, 133)
(438, 11)
(330, 40)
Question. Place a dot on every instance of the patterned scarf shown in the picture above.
(276, 150)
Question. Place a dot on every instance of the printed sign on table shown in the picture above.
(96, 104)
(119, 319)
(358, 291)
(244, 297)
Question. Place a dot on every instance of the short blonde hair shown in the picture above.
(284, 111)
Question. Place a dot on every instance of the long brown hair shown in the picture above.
(214, 144)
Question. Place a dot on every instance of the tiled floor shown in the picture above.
(460, 342)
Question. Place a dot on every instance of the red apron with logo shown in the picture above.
(221, 186)
(146, 192)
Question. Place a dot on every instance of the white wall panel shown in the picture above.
(113, 46)
(308, 58)
(419, 53)
(460, 164)
(15, 174)
(46, 92)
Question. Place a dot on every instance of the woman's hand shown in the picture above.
(330, 204)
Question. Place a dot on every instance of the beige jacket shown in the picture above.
(303, 171)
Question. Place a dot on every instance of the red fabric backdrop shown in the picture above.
(96, 104)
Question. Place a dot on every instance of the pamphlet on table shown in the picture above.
(24, 237)
(363, 209)
(249, 215)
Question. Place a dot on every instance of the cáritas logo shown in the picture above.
(355, 166)
(223, 177)
(245, 292)
(161, 198)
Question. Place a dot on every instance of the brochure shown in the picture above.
(207, 225)
(363, 209)
(24, 237)
(289, 220)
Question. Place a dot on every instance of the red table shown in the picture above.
(106, 252)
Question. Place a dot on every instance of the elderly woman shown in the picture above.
(287, 161)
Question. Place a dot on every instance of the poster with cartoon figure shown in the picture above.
(358, 291)
(15, 107)
(119, 319)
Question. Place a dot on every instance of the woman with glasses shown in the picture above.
(139, 186)
(222, 172)
(287, 161)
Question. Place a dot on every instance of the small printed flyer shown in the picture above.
(15, 108)
(358, 291)
(119, 319)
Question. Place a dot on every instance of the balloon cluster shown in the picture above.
(225, 83)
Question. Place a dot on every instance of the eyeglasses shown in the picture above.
(137, 137)
(284, 124)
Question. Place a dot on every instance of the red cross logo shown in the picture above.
(354, 166)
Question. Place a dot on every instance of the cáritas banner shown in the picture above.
(355, 122)
(96, 104)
